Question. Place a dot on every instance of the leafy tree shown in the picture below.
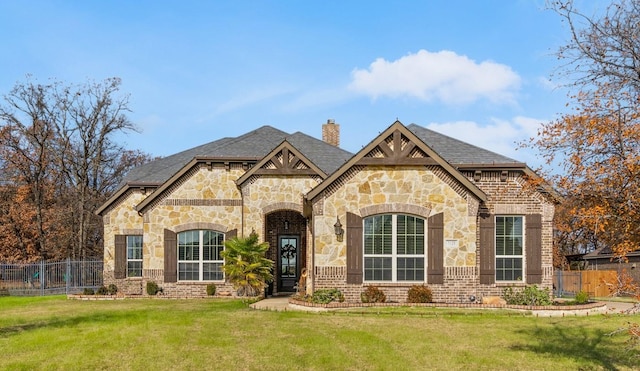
(597, 144)
(246, 266)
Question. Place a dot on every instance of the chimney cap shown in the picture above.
(331, 121)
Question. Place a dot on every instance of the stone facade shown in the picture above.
(273, 199)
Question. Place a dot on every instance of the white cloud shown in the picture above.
(500, 136)
(444, 76)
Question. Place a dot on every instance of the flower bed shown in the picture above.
(547, 310)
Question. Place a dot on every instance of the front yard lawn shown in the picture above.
(224, 334)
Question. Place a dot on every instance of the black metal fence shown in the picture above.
(50, 278)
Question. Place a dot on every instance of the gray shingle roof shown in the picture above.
(324, 155)
(252, 145)
(457, 152)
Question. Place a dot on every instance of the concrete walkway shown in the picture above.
(274, 303)
(281, 303)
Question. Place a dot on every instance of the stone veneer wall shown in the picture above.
(383, 189)
(265, 194)
(207, 198)
(204, 198)
(121, 218)
(461, 275)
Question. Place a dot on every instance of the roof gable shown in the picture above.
(283, 160)
(398, 146)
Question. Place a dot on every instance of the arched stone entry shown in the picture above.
(287, 237)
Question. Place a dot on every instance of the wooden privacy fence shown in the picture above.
(49, 278)
(571, 282)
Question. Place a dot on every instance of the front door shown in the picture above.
(288, 265)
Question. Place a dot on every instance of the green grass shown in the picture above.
(156, 334)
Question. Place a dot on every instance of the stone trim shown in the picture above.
(199, 226)
(331, 272)
(510, 209)
(282, 206)
(457, 273)
(395, 208)
(200, 202)
(153, 274)
(318, 206)
(473, 205)
(137, 231)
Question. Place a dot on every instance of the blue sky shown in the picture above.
(197, 71)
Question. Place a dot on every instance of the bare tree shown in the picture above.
(60, 140)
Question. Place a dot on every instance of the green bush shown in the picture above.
(582, 297)
(87, 291)
(102, 290)
(112, 289)
(324, 296)
(152, 288)
(211, 289)
(373, 295)
(530, 295)
(419, 294)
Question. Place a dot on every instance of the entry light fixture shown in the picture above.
(338, 229)
(286, 225)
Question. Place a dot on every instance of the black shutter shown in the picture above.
(120, 261)
(354, 248)
(533, 248)
(487, 249)
(170, 256)
(435, 258)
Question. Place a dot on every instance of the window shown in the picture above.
(509, 247)
(134, 256)
(199, 255)
(394, 248)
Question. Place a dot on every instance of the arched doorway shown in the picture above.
(286, 234)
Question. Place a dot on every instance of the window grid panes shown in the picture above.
(134, 256)
(199, 255)
(394, 248)
(509, 248)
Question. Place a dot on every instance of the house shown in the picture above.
(603, 259)
(411, 207)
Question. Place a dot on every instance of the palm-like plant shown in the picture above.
(246, 266)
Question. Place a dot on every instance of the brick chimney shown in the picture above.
(331, 133)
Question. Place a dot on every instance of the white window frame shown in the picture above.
(130, 240)
(200, 259)
(521, 256)
(394, 250)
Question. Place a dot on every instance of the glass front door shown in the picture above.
(288, 264)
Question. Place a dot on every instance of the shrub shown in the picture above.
(102, 290)
(419, 294)
(530, 295)
(112, 289)
(324, 296)
(152, 288)
(373, 295)
(87, 291)
(211, 289)
(582, 297)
